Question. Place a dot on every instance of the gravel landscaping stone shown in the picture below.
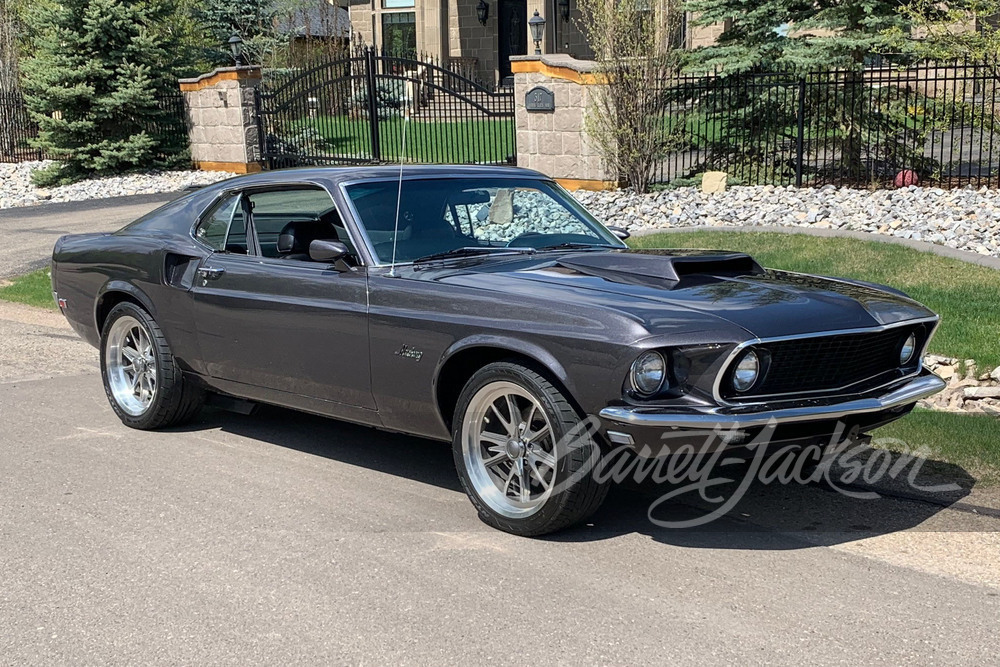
(16, 188)
(965, 219)
(968, 390)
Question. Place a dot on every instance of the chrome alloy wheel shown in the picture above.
(131, 366)
(509, 449)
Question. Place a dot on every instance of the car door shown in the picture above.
(290, 326)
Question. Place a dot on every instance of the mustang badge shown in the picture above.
(408, 352)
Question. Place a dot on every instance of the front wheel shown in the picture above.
(145, 387)
(524, 456)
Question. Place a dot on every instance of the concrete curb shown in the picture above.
(942, 251)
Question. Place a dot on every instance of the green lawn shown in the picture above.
(33, 289)
(966, 296)
(457, 142)
(972, 442)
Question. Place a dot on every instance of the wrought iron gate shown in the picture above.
(352, 110)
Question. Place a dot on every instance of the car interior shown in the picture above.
(434, 217)
(286, 222)
(439, 217)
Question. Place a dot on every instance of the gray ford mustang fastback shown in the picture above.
(483, 306)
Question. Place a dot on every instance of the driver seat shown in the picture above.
(295, 237)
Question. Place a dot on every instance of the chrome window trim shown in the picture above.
(356, 217)
(204, 214)
(717, 385)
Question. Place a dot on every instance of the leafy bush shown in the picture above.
(303, 141)
(309, 140)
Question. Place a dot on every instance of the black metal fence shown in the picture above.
(873, 127)
(17, 129)
(354, 110)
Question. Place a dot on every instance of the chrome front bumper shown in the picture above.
(734, 417)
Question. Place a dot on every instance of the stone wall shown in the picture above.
(556, 143)
(699, 36)
(220, 115)
(569, 38)
(472, 42)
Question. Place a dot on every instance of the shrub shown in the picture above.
(390, 96)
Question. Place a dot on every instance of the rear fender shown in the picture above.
(120, 286)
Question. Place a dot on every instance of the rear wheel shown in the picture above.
(523, 454)
(145, 387)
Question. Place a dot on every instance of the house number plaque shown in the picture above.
(540, 100)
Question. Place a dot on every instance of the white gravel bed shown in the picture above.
(16, 188)
(965, 219)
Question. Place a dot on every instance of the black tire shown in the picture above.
(175, 399)
(577, 493)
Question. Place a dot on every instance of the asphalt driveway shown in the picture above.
(30, 232)
(282, 538)
(287, 539)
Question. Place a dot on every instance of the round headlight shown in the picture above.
(747, 372)
(908, 350)
(648, 373)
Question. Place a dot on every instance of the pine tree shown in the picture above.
(94, 85)
(801, 39)
(799, 35)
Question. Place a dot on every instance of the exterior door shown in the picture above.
(513, 38)
(295, 327)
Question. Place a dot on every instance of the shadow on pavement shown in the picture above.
(767, 516)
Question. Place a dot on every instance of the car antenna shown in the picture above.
(399, 189)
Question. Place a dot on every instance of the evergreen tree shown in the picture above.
(864, 129)
(94, 85)
(798, 35)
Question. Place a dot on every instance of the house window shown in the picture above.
(399, 33)
(398, 4)
(678, 33)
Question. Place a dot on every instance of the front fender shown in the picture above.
(512, 344)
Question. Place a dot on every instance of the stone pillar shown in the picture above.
(556, 142)
(221, 115)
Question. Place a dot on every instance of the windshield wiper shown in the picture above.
(578, 246)
(472, 251)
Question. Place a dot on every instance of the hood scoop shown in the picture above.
(666, 265)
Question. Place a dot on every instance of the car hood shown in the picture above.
(655, 285)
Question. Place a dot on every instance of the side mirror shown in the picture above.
(620, 232)
(330, 252)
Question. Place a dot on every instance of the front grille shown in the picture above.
(828, 363)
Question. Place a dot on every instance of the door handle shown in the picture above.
(208, 273)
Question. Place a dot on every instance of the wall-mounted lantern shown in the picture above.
(564, 9)
(537, 25)
(483, 12)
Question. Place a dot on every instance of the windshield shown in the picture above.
(446, 214)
